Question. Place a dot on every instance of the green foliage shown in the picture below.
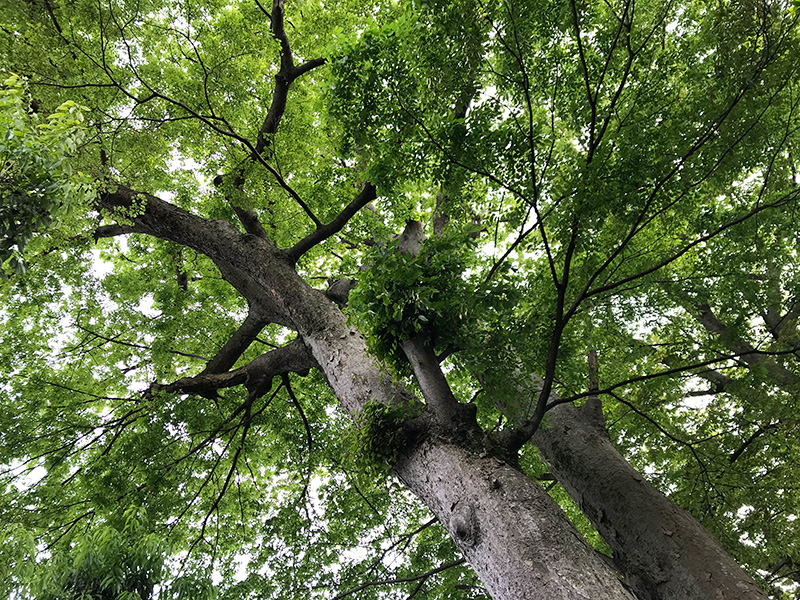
(37, 182)
(622, 174)
(124, 561)
(401, 295)
(376, 438)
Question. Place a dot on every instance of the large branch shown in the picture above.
(435, 389)
(748, 353)
(237, 344)
(140, 212)
(256, 376)
(648, 533)
(219, 240)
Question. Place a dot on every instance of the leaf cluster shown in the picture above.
(375, 439)
(401, 295)
(124, 560)
(37, 182)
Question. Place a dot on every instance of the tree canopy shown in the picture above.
(491, 194)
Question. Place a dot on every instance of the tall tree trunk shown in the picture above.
(664, 553)
(516, 538)
(513, 534)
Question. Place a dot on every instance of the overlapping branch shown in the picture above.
(256, 375)
(367, 194)
(238, 343)
(422, 577)
(749, 354)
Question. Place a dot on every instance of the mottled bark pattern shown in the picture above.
(663, 551)
(512, 533)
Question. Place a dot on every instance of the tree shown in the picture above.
(123, 560)
(358, 251)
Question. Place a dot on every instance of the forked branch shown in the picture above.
(256, 376)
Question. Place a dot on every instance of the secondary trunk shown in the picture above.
(664, 553)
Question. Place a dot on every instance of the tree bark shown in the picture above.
(513, 534)
(516, 538)
(664, 553)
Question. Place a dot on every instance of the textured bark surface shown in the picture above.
(663, 551)
(512, 533)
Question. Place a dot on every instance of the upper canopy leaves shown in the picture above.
(626, 177)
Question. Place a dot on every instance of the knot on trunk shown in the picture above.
(464, 524)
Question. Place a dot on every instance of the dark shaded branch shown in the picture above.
(287, 73)
(200, 489)
(287, 384)
(307, 66)
(758, 433)
(411, 579)
(237, 344)
(283, 79)
(367, 194)
(306, 427)
(221, 429)
(256, 375)
(718, 380)
(513, 438)
(114, 340)
(245, 424)
(49, 7)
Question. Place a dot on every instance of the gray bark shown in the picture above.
(512, 533)
(516, 538)
(663, 551)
